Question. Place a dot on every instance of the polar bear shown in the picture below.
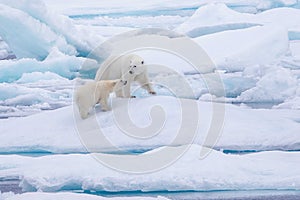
(93, 92)
(127, 67)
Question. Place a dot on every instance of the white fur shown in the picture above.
(93, 92)
(120, 67)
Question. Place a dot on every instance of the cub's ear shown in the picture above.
(115, 82)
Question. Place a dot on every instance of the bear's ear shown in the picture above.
(114, 82)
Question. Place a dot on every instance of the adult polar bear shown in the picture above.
(126, 67)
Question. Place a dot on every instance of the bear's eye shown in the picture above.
(134, 66)
(142, 62)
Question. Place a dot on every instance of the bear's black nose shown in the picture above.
(125, 82)
(130, 72)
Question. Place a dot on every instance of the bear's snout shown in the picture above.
(124, 82)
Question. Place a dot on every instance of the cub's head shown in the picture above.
(136, 65)
(118, 84)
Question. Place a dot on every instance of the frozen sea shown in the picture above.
(250, 93)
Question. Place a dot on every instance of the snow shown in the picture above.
(202, 22)
(26, 99)
(290, 103)
(235, 49)
(225, 19)
(170, 22)
(275, 86)
(217, 171)
(3, 49)
(68, 195)
(280, 129)
(39, 76)
(3, 54)
(295, 48)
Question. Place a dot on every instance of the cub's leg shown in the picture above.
(104, 104)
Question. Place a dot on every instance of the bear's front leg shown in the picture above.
(143, 80)
(149, 88)
(126, 90)
(84, 114)
(83, 111)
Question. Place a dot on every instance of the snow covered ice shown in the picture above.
(238, 133)
(216, 172)
(67, 195)
(45, 52)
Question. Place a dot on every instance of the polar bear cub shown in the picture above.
(127, 67)
(93, 92)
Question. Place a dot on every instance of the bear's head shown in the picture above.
(118, 84)
(136, 65)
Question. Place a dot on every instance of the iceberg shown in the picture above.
(217, 171)
(53, 30)
(36, 39)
